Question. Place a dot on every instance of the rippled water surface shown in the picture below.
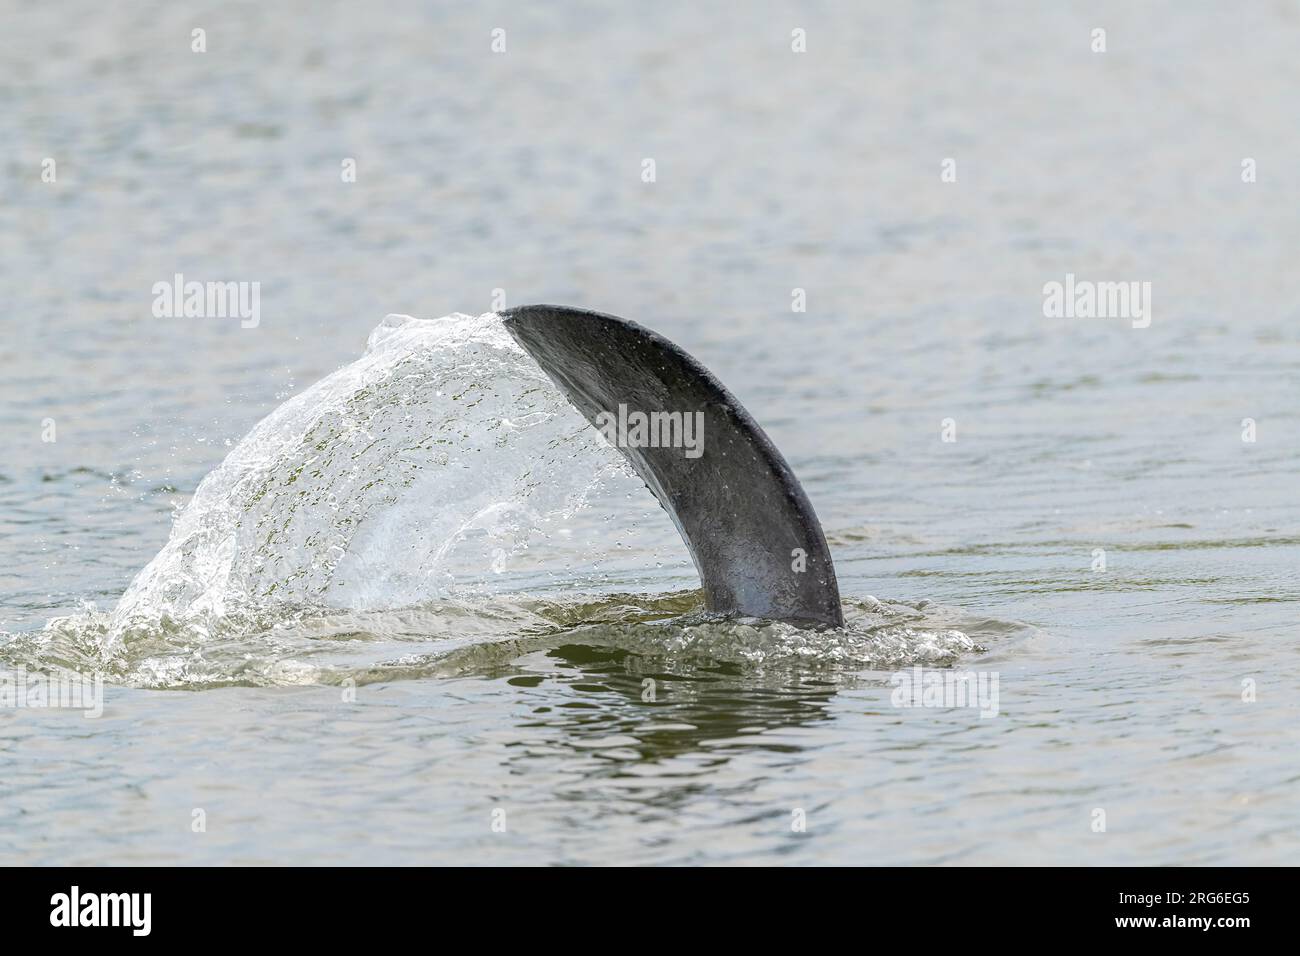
(356, 583)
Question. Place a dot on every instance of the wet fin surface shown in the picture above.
(739, 508)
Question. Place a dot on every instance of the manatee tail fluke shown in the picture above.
(750, 528)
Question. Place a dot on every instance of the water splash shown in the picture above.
(411, 475)
(398, 519)
(284, 646)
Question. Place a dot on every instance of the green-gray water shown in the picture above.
(383, 715)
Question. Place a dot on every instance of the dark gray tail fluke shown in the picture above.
(755, 540)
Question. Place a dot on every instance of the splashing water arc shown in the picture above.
(405, 477)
